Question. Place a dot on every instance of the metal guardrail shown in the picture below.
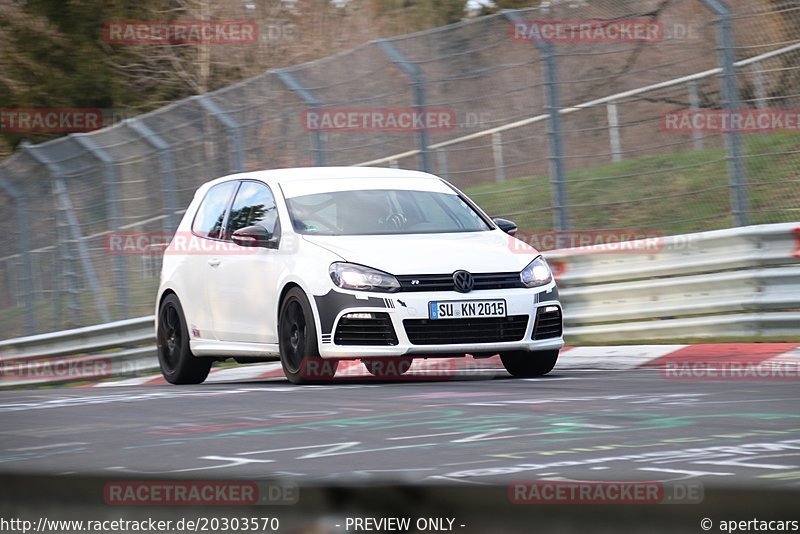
(121, 348)
(734, 283)
(89, 339)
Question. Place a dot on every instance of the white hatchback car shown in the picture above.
(315, 265)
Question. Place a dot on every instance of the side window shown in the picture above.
(211, 214)
(254, 204)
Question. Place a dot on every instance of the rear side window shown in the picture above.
(254, 205)
(211, 215)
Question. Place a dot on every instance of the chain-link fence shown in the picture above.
(558, 119)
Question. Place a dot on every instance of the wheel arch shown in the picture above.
(288, 286)
(312, 303)
(164, 294)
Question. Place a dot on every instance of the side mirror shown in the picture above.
(505, 225)
(253, 236)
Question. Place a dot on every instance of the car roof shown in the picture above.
(302, 180)
(325, 173)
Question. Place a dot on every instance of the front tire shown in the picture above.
(297, 341)
(523, 364)
(178, 364)
(387, 367)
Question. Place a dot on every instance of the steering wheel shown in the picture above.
(393, 220)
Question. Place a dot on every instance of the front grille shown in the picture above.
(548, 324)
(453, 331)
(375, 331)
(444, 282)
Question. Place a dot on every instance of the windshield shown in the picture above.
(381, 212)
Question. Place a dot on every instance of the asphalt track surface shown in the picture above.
(480, 428)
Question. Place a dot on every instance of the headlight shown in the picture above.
(360, 278)
(536, 274)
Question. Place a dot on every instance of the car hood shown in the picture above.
(477, 252)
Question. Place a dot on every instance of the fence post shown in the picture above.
(26, 272)
(557, 176)
(167, 164)
(441, 156)
(62, 198)
(418, 85)
(115, 219)
(66, 276)
(497, 152)
(613, 132)
(318, 143)
(694, 104)
(733, 141)
(761, 92)
(234, 135)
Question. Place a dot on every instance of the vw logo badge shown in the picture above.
(463, 281)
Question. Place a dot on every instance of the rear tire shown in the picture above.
(523, 364)
(297, 341)
(387, 367)
(178, 364)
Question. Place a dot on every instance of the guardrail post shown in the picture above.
(317, 140)
(613, 132)
(115, 219)
(234, 134)
(730, 88)
(557, 175)
(418, 85)
(497, 152)
(167, 164)
(62, 198)
(694, 104)
(26, 272)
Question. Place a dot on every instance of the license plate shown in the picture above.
(466, 309)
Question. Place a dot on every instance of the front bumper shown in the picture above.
(401, 306)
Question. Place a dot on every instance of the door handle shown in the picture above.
(215, 262)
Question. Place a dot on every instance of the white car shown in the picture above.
(315, 265)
